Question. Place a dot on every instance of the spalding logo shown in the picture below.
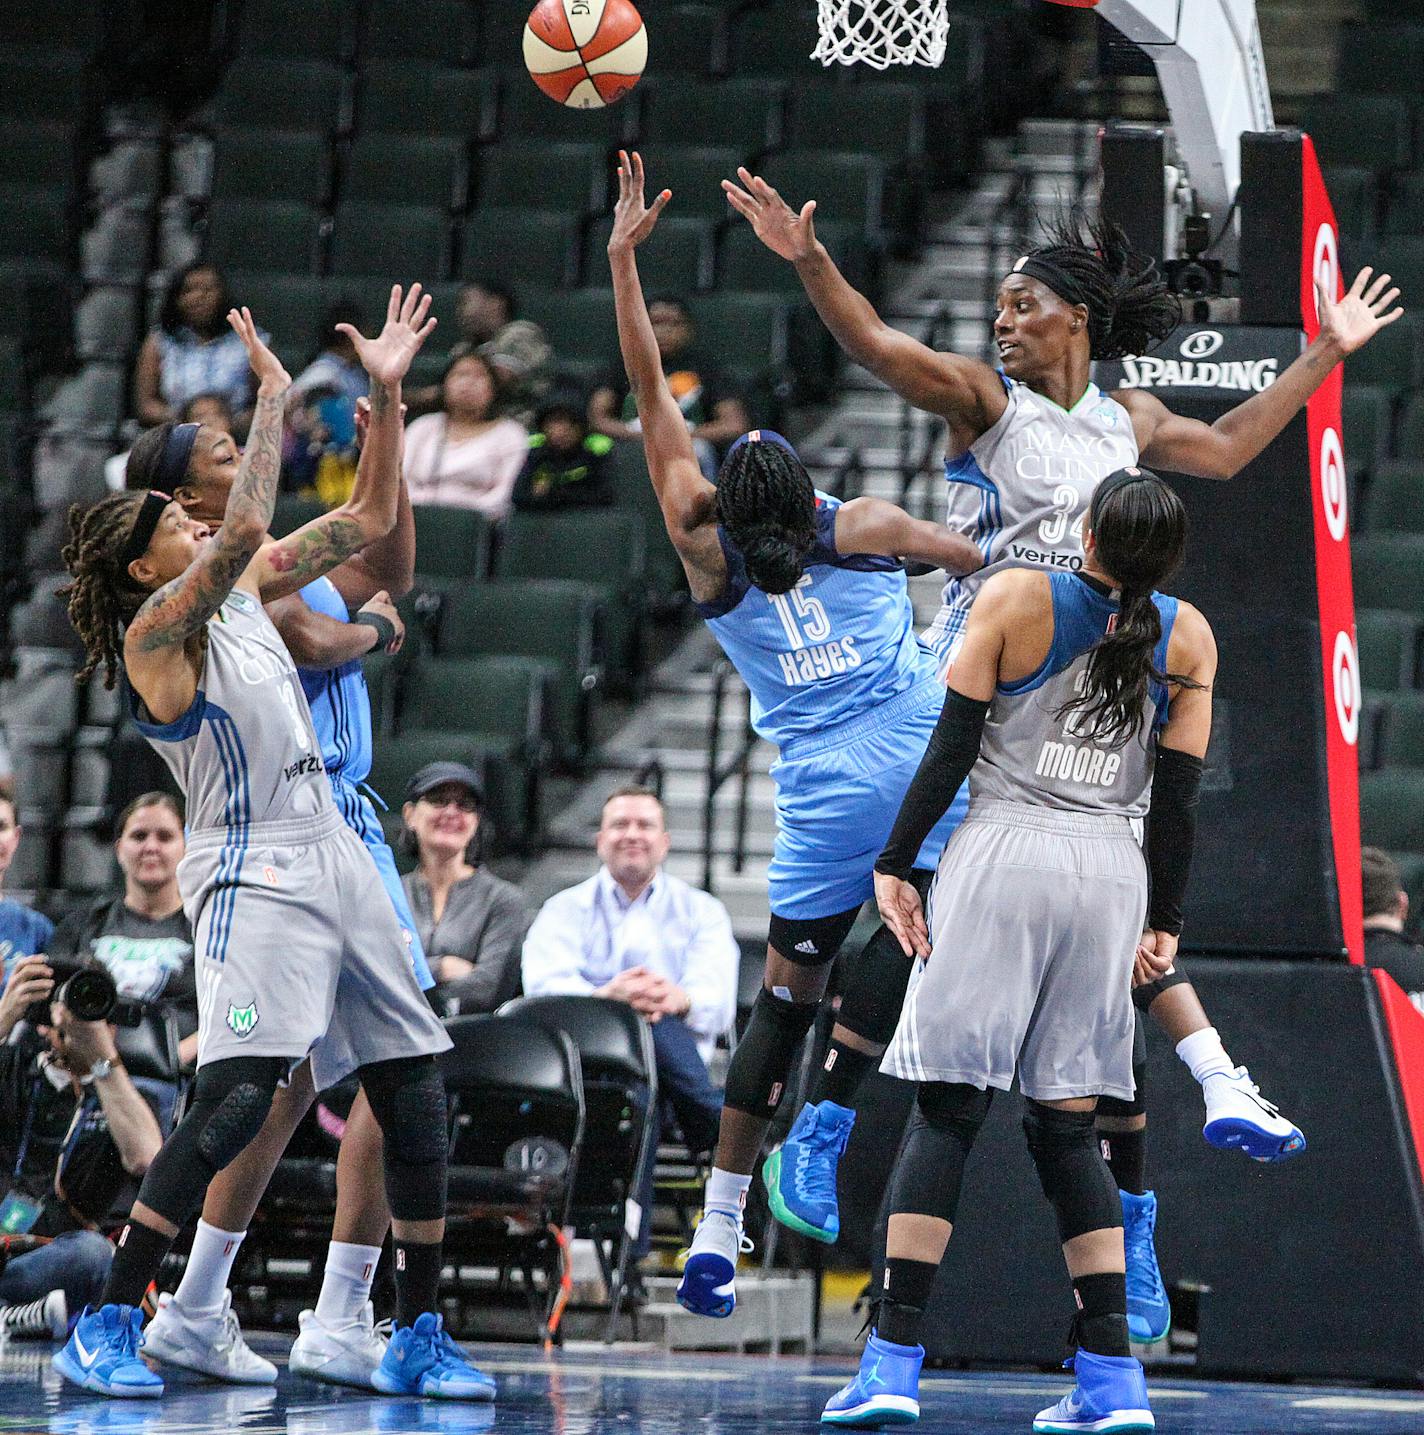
(1201, 345)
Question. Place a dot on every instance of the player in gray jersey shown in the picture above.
(298, 949)
(1067, 694)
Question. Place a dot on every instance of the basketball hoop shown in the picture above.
(881, 33)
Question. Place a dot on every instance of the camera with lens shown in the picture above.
(88, 992)
(1194, 277)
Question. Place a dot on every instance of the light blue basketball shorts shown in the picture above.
(838, 793)
(361, 817)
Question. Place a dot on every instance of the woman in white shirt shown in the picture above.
(463, 456)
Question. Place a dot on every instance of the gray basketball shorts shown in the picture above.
(298, 950)
(1034, 919)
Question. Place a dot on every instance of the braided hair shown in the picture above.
(102, 594)
(1130, 307)
(767, 503)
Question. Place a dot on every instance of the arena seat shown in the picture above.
(35, 223)
(1404, 213)
(1392, 809)
(281, 94)
(289, 306)
(429, 32)
(1365, 420)
(695, 173)
(48, 86)
(1389, 648)
(881, 117)
(1401, 741)
(1391, 360)
(1389, 571)
(386, 239)
(451, 542)
(522, 246)
(321, 30)
(580, 323)
(1373, 131)
(745, 114)
(772, 39)
(746, 334)
(1354, 195)
(680, 262)
(401, 98)
(846, 186)
(429, 170)
(1395, 503)
(46, 155)
(566, 176)
(293, 166)
(526, 113)
(1383, 58)
(665, 580)
(692, 39)
(1411, 427)
(281, 237)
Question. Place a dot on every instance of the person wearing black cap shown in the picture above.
(470, 922)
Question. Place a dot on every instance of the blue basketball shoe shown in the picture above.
(800, 1174)
(1149, 1312)
(885, 1391)
(1110, 1396)
(708, 1284)
(101, 1354)
(422, 1360)
(1239, 1118)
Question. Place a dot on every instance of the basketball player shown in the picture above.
(195, 1327)
(300, 951)
(1028, 443)
(808, 598)
(1067, 691)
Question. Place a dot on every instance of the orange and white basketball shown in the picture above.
(585, 53)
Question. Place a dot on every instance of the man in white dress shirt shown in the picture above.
(636, 934)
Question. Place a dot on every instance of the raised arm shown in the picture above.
(370, 513)
(875, 525)
(1222, 449)
(683, 493)
(966, 392)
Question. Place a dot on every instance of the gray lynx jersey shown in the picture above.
(1022, 491)
(1031, 755)
(244, 753)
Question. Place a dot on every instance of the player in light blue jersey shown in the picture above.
(808, 598)
(337, 1341)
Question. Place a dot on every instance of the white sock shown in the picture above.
(209, 1265)
(1204, 1054)
(346, 1284)
(726, 1192)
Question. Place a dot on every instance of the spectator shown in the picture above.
(567, 466)
(73, 1131)
(192, 351)
(471, 923)
(319, 447)
(714, 413)
(464, 456)
(141, 936)
(1386, 910)
(636, 934)
(210, 409)
(517, 350)
(23, 932)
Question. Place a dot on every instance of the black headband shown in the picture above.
(1047, 272)
(177, 450)
(149, 512)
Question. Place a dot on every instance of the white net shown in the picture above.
(881, 33)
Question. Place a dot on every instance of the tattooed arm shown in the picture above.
(370, 513)
(156, 657)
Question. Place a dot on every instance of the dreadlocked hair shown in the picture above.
(767, 504)
(102, 596)
(1130, 308)
(1140, 528)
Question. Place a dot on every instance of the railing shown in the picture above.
(719, 771)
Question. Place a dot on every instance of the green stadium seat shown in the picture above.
(407, 169)
(78, 25)
(293, 166)
(371, 293)
(677, 259)
(429, 32)
(277, 94)
(47, 86)
(775, 39)
(569, 177)
(527, 113)
(415, 99)
(881, 117)
(1381, 59)
(390, 240)
(695, 173)
(847, 187)
(633, 490)
(284, 238)
(580, 323)
(1373, 131)
(1402, 735)
(1411, 428)
(496, 704)
(501, 39)
(746, 334)
(34, 223)
(603, 548)
(451, 542)
(521, 246)
(1354, 194)
(383, 672)
(1404, 212)
(690, 39)
(744, 262)
(1390, 360)
(558, 622)
(289, 306)
(290, 512)
(1402, 256)
(297, 30)
(1365, 416)
(1389, 571)
(748, 115)
(1392, 809)
(1388, 643)
(1395, 502)
(41, 154)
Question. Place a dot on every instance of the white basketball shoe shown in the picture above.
(340, 1354)
(209, 1342)
(1239, 1118)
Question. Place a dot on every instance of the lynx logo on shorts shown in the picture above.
(243, 1020)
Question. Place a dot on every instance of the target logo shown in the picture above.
(1326, 263)
(1332, 484)
(1345, 672)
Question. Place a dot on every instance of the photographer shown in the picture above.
(73, 1130)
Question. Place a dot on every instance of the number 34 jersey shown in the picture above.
(839, 645)
(1022, 491)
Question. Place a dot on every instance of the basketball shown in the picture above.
(585, 53)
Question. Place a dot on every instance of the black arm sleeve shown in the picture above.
(952, 751)
(1171, 833)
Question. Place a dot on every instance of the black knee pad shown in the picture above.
(955, 1108)
(811, 941)
(1144, 996)
(1114, 1105)
(1071, 1169)
(930, 1169)
(407, 1098)
(874, 990)
(761, 1064)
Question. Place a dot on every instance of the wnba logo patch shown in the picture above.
(242, 1020)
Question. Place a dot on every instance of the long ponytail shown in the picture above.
(1139, 526)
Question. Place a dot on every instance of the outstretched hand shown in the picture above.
(902, 911)
(776, 224)
(633, 219)
(387, 357)
(1352, 322)
(265, 364)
